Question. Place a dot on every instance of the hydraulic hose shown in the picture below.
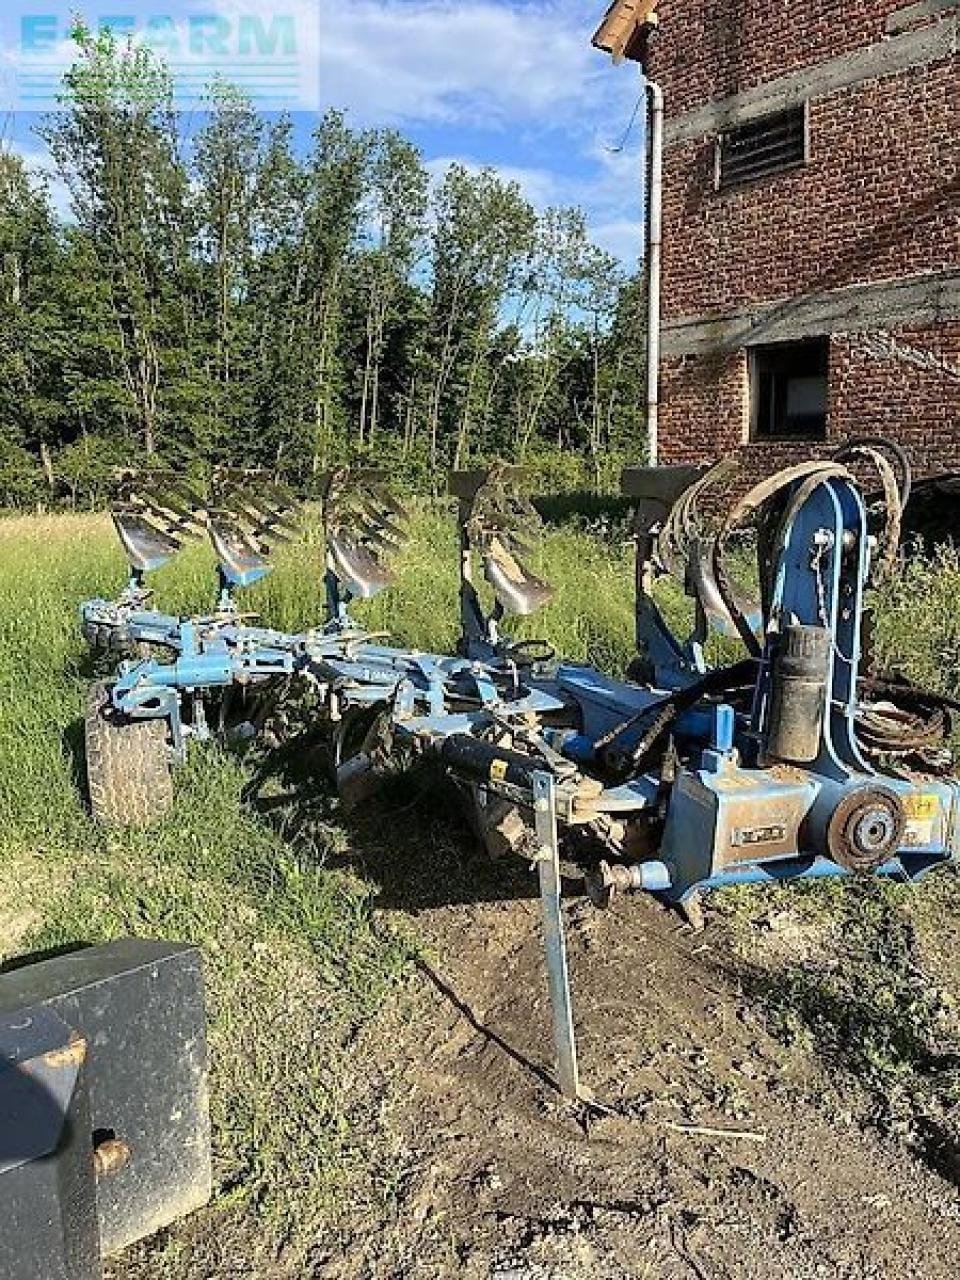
(896, 490)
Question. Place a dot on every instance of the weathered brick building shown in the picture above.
(811, 224)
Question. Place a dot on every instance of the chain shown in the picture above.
(817, 565)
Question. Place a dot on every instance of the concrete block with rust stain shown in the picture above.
(139, 1007)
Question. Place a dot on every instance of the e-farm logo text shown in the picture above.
(271, 53)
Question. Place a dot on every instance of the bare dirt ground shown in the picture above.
(500, 1178)
(467, 1163)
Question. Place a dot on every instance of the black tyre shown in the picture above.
(112, 642)
(128, 765)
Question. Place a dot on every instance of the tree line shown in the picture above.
(225, 295)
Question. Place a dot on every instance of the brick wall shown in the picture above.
(708, 49)
(890, 396)
(703, 413)
(880, 199)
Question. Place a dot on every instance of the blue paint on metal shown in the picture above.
(580, 748)
(724, 727)
(728, 815)
(906, 866)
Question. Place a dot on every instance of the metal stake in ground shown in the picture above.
(548, 869)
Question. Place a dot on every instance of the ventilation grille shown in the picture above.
(769, 145)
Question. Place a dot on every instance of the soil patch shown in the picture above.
(500, 1178)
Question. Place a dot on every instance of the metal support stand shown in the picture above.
(548, 868)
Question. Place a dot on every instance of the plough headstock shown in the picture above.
(685, 519)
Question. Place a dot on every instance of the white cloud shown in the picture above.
(542, 187)
(610, 198)
(613, 197)
(468, 61)
(483, 66)
(623, 238)
(443, 69)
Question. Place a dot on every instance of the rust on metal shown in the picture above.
(110, 1157)
(70, 1056)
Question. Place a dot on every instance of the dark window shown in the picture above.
(768, 145)
(788, 390)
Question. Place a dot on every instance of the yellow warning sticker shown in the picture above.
(922, 806)
(498, 770)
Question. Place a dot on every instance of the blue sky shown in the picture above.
(509, 83)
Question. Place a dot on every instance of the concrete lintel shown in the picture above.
(918, 300)
(912, 14)
(886, 57)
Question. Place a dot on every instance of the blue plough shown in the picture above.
(791, 762)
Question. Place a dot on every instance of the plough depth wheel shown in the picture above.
(128, 767)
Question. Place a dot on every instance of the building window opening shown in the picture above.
(772, 144)
(788, 390)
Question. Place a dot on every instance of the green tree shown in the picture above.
(396, 214)
(622, 383)
(309, 246)
(222, 296)
(115, 142)
(483, 238)
(31, 322)
(231, 156)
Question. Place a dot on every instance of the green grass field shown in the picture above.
(296, 959)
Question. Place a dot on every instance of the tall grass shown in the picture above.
(917, 620)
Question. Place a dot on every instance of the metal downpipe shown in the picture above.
(654, 211)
